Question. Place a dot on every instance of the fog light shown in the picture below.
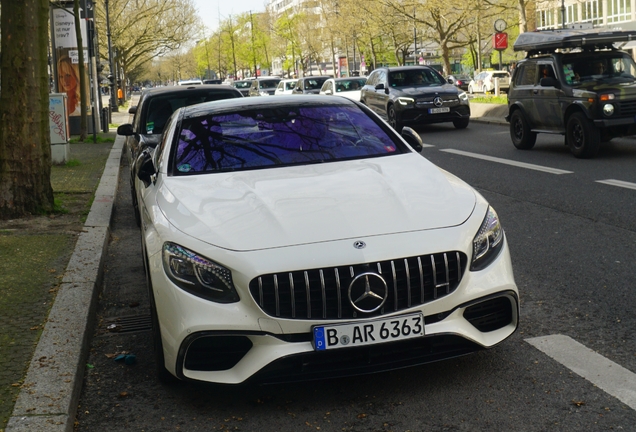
(608, 109)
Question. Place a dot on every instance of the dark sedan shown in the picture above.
(153, 111)
(460, 81)
(310, 84)
(415, 95)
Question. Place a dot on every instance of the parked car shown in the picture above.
(460, 81)
(285, 86)
(347, 87)
(319, 244)
(588, 95)
(264, 86)
(309, 85)
(243, 86)
(151, 115)
(212, 81)
(415, 95)
(484, 82)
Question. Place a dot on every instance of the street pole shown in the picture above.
(562, 14)
(253, 52)
(111, 77)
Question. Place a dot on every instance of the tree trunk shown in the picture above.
(25, 152)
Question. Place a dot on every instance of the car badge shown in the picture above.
(368, 292)
(359, 244)
(438, 101)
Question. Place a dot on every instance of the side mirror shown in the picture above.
(145, 167)
(328, 92)
(413, 138)
(125, 130)
(550, 82)
(132, 110)
(450, 81)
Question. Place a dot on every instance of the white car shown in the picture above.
(302, 238)
(347, 87)
(285, 87)
(484, 82)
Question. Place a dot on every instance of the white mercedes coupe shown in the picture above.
(299, 238)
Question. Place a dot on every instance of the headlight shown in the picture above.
(488, 242)
(463, 97)
(198, 275)
(608, 109)
(406, 100)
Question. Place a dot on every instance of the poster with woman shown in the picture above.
(68, 82)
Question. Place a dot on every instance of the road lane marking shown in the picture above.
(508, 162)
(600, 371)
(618, 183)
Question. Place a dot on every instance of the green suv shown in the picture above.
(573, 83)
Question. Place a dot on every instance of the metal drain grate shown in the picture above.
(126, 324)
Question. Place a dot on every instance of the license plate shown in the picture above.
(368, 332)
(438, 110)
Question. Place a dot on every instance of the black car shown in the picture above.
(152, 113)
(243, 86)
(265, 86)
(587, 94)
(460, 81)
(415, 95)
(310, 84)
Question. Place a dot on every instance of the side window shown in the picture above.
(372, 78)
(381, 78)
(527, 74)
(546, 71)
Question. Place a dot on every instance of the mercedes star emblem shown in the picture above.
(438, 101)
(359, 244)
(368, 292)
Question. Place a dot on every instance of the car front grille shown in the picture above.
(323, 294)
(627, 108)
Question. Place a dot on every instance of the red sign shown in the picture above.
(500, 41)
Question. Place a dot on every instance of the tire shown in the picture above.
(583, 138)
(520, 134)
(393, 121)
(470, 90)
(484, 89)
(163, 375)
(461, 123)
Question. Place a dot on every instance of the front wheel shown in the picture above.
(393, 120)
(522, 137)
(583, 138)
(461, 123)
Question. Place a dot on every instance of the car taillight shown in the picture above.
(459, 82)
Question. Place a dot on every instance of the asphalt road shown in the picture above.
(573, 243)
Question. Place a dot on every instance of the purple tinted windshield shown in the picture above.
(279, 136)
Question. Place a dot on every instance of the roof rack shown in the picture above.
(542, 42)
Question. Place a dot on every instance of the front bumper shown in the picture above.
(419, 116)
(237, 342)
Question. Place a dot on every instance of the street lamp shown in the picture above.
(111, 77)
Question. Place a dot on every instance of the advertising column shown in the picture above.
(66, 64)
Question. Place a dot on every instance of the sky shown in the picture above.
(209, 9)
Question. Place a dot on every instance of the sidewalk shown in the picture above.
(48, 396)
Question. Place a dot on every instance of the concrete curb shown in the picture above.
(49, 396)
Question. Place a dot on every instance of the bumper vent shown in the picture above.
(322, 294)
(490, 315)
(216, 353)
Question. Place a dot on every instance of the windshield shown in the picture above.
(242, 84)
(278, 136)
(612, 68)
(350, 84)
(415, 77)
(268, 84)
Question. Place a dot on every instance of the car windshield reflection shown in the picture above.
(266, 138)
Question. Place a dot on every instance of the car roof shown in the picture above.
(186, 89)
(287, 101)
(550, 41)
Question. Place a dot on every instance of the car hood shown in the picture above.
(279, 207)
(425, 90)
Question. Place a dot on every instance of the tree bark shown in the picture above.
(25, 152)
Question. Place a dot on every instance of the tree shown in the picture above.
(25, 154)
